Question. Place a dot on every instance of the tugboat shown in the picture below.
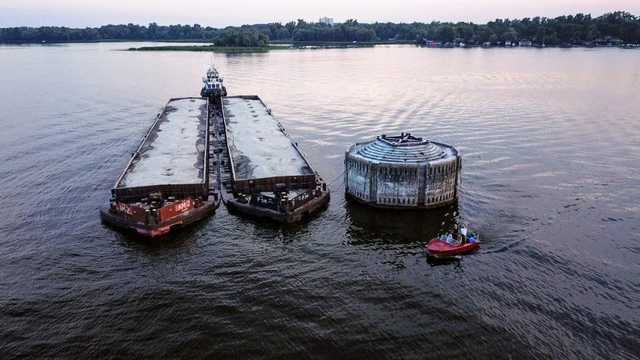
(213, 84)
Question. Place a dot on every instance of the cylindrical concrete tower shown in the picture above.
(403, 172)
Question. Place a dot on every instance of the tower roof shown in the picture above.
(404, 149)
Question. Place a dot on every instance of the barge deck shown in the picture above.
(167, 183)
(263, 173)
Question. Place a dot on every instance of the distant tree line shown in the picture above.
(107, 33)
(242, 38)
(572, 29)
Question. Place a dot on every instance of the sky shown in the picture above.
(217, 13)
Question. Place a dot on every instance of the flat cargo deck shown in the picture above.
(258, 145)
(174, 150)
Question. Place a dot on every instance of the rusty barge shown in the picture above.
(201, 152)
(263, 172)
(167, 182)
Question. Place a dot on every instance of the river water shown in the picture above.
(551, 147)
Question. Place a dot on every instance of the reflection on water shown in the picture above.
(550, 142)
(398, 226)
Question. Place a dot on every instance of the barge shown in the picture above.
(263, 171)
(166, 184)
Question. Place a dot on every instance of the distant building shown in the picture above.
(326, 21)
(431, 43)
(525, 43)
(609, 41)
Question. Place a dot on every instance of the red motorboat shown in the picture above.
(441, 248)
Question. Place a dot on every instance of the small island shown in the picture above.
(210, 48)
(231, 40)
(244, 40)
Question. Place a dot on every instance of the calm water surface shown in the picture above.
(551, 146)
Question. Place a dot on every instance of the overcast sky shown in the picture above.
(219, 13)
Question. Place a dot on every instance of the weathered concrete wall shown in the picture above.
(442, 181)
(398, 186)
(358, 179)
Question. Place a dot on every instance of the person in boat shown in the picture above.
(453, 238)
(463, 237)
(450, 239)
(472, 238)
(458, 237)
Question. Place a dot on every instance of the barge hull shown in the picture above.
(300, 214)
(153, 231)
